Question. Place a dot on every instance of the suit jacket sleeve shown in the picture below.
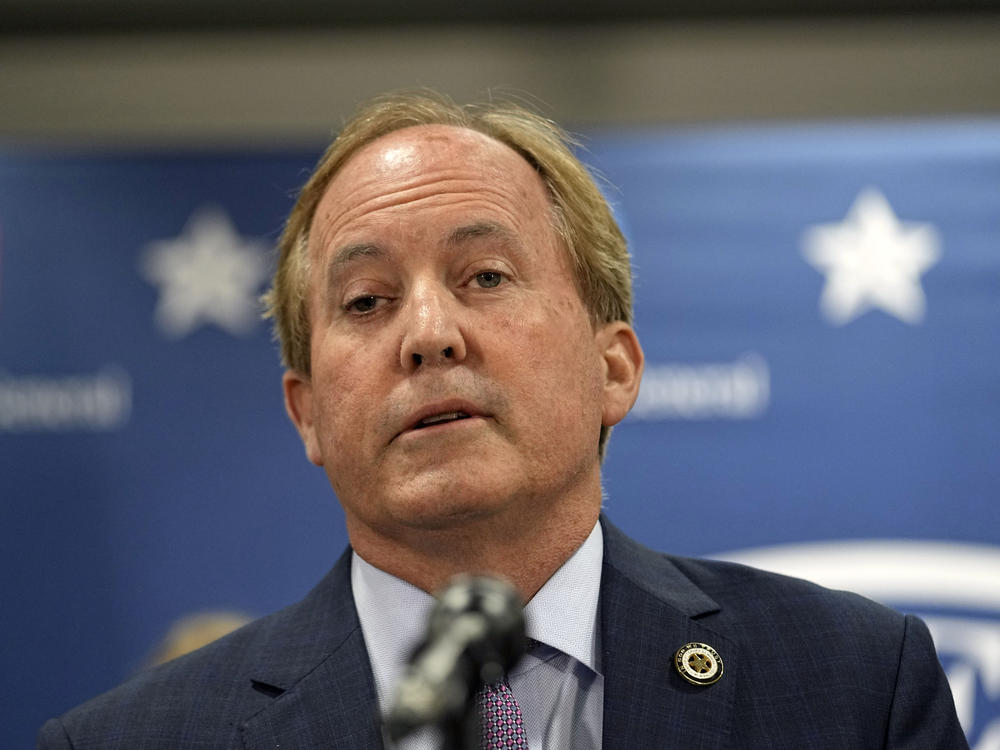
(923, 710)
(52, 736)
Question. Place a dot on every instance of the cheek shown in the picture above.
(558, 370)
(340, 391)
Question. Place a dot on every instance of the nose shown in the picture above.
(432, 333)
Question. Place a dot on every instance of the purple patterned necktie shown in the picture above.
(503, 728)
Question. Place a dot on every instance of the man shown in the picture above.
(453, 300)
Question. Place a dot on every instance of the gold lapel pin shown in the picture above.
(698, 663)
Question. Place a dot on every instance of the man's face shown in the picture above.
(455, 371)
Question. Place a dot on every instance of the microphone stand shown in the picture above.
(463, 732)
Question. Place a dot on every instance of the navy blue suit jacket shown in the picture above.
(804, 669)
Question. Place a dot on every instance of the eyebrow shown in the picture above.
(347, 255)
(480, 229)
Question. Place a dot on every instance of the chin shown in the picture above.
(449, 505)
(443, 519)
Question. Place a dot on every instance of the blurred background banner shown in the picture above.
(820, 310)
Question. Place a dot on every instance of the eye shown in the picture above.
(489, 279)
(362, 305)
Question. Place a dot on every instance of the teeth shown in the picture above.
(443, 418)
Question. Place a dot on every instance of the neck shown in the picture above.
(525, 551)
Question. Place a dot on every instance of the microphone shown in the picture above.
(475, 633)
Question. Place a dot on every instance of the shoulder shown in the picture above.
(208, 693)
(739, 596)
(202, 694)
(750, 595)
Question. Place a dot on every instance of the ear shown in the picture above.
(623, 363)
(299, 405)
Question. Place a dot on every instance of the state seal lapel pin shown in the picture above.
(698, 663)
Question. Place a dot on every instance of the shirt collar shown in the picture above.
(562, 614)
(393, 615)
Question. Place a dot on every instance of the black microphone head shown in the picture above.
(475, 633)
(499, 606)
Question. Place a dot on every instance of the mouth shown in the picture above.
(439, 416)
(451, 416)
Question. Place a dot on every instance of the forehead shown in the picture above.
(432, 167)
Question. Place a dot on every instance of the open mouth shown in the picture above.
(451, 416)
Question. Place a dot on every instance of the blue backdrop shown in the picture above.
(820, 310)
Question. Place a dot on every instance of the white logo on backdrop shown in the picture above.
(207, 275)
(717, 390)
(937, 575)
(871, 260)
(46, 403)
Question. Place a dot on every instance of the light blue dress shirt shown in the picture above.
(558, 683)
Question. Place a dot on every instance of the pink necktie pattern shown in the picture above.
(503, 725)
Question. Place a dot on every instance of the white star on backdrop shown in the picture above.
(207, 275)
(872, 260)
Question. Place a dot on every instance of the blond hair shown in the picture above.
(582, 217)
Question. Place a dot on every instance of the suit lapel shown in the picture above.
(316, 668)
(332, 706)
(648, 610)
